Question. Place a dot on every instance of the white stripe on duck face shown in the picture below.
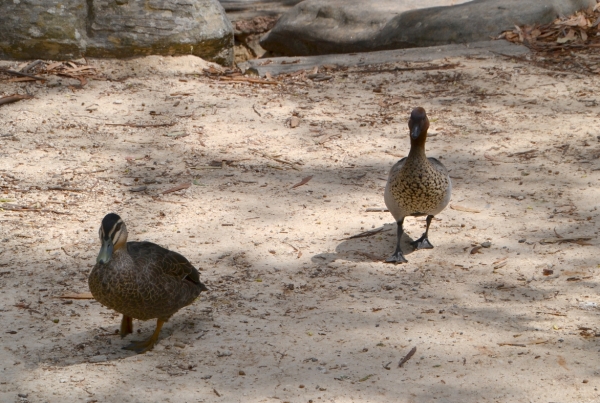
(115, 231)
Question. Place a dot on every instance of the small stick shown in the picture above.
(578, 240)
(248, 80)
(65, 189)
(489, 157)
(407, 357)
(19, 74)
(291, 164)
(31, 65)
(512, 344)
(376, 210)
(83, 295)
(522, 153)
(142, 125)
(13, 98)
(326, 139)
(255, 110)
(366, 233)
(178, 187)
(419, 68)
(13, 207)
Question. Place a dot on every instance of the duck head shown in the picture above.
(418, 124)
(113, 236)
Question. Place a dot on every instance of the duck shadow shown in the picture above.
(103, 344)
(375, 245)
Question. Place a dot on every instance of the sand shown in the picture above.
(297, 310)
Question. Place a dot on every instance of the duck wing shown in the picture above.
(160, 261)
(438, 165)
(396, 168)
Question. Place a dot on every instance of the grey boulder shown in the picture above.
(114, 28)
(316, 27)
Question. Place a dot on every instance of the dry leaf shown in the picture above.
(563, 363)
(304, 181)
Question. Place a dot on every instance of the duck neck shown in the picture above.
(417, 147)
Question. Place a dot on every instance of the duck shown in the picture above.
(417, 186)
(141, 280)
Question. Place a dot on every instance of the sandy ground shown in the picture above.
(297, 312)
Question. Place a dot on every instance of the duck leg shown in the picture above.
(146, 345)
(398, 257)
(423, 242)
(126, 326)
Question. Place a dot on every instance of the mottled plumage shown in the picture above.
(141, 280)
(417, 185)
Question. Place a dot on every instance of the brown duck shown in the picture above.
(141, 280)
(417, 185)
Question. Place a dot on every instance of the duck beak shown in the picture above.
(416, 131)
(106, 252)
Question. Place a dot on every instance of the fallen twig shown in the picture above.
(31, 65)
(416, 68)
(256, 110)
(376, 210)
(520, 153)
(14, 207)
(407, 357)
(65, 189)
(326, 139)
(19, 74)
(142, 125)
(247, 80)
(275, 158)
(578, 240)
(205, 167)
(367, 233)
(178, 187)
(489, 157)
(512, 344)
(552, 313)
(13, 98)
(465, 209)
(83, 295)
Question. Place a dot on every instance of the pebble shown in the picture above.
(486, 244)
(23, 395)
(294, 122)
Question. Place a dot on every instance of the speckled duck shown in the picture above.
(417, 186)
(141, 280)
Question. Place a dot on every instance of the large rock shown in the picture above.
(316, 27)
(114, 28)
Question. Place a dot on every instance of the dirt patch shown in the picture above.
(503, 309)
